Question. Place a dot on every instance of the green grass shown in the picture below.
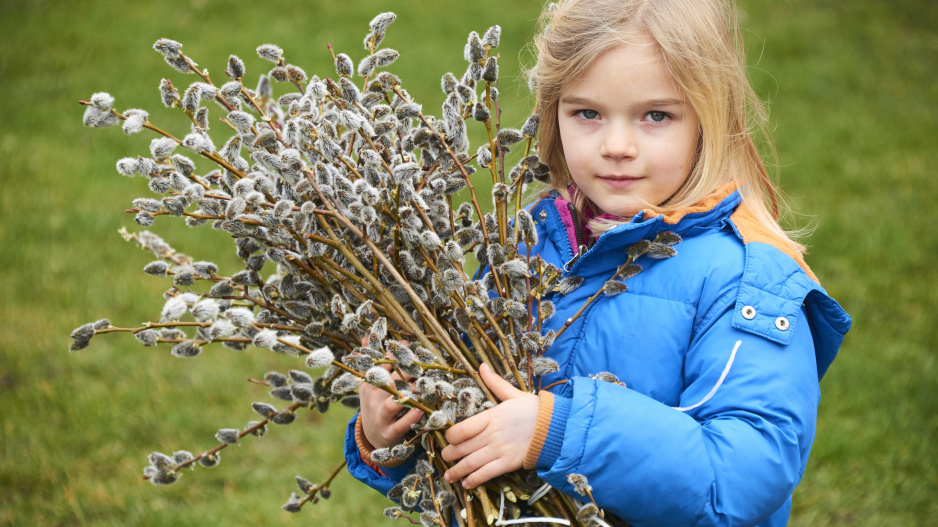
(852, 94)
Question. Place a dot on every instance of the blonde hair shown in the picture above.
(700, 45)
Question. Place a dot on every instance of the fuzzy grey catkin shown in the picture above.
(186, 348)
(269, 52)
(378, 376)
(169, 48)
(235, 67)
(168, 93)
(147, 337)
(319, 358)
(178, 63)
(284, 417)
(264, 88)
(380, 23)
(660, 251)
(210, 460)
(228, 436)
(97, 118)
(580, 484)
(134, 122)
(614, 287)
(490, 71)
(343, 64)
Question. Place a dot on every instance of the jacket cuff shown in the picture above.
(365, 448)
(555, 427)
(381, 481)
(542, 427)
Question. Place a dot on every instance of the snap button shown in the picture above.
(749, 312)
(543, 215)
(782, 323)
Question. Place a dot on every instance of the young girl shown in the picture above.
(643, 107)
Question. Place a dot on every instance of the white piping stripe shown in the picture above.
(726, 370)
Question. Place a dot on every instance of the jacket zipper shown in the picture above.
(578, 234)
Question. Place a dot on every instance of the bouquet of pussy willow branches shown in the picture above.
(343, 199)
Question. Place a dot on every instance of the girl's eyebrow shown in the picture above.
(574, 100)
(661, 102)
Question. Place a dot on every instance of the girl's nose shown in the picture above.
(619, 143)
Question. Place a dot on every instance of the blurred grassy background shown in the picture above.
(852, 91)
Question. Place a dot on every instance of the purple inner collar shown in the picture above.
(563, 209)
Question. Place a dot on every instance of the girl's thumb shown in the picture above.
(500, 387)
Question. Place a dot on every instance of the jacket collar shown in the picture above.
(713, 202)
(606, 253)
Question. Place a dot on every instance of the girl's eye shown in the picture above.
(657, 116)
(588, 114)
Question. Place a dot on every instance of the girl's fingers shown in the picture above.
(488, 471)
(469, 428)
(390, 408)
(469, 464)
(499, 386)
(454, 451)
(402, 425)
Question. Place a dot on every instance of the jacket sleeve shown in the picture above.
(381, 481)
(732, 460)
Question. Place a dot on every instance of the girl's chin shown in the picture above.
(622, 210)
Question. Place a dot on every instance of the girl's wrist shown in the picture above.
(365, 448)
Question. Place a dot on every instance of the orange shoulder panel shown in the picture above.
(750, 229)
(753, 231)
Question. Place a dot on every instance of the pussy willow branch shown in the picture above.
(462, 169)
(204, 153)
(428, 319)
(519, 186)
(480, 333)
(311, 495)
(331, 335)
(193, 67)
(596, 295)
(402, 399)
(264, 117)
(379, 289)
(221, 100)
(221, 446)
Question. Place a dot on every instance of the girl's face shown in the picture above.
(628, 133)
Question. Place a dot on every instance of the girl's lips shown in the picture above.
(620, 181)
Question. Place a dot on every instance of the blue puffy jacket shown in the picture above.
(721, 349)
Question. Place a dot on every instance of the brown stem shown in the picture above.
(436, 506)
(551, 385)
(591, 299)
(325, 484)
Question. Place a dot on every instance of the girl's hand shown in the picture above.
(495, 441)
(380, 424)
